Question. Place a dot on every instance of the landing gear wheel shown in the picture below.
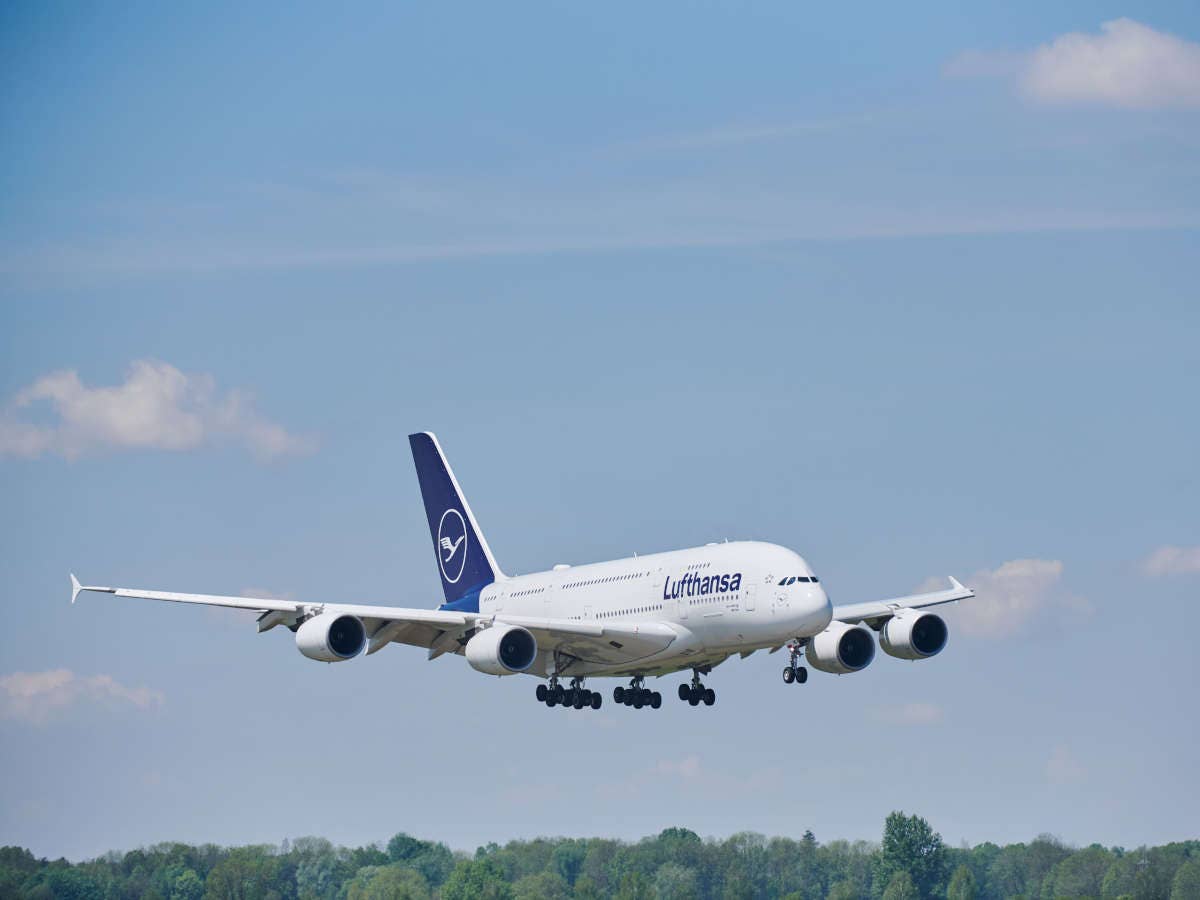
(789, 674)
(578, 702)
(801, 675)
(618, 694)
(541, 693)
(596, 699)
(655, 700)
(710, 696)
(560, 694)
(694, 696)
(638, 700)
(551, 700)
(684, 692)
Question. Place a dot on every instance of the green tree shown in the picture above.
(477, 879)
(542, 886)
(1186, 884)
(567, 859)
(901, 887)
(675, 882)
(186, 885)
(1081, 874)
(392, 882)
(962, 885)
(910, 845)
(634, 886)
(843, 890)
(246, 873)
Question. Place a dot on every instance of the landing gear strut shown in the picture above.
(793, 672)
(696, 693)
(637, 695)
(575, 697)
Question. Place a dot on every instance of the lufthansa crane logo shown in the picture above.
(452, 545)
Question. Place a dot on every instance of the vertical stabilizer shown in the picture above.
(465, 561)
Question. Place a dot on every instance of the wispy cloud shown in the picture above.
(905, 714)
(156, 407)
(741, 133)
(1127, 65)
(40, 696)
(1010, 596)
(1172, 560)
(688, 767)
(1063, 767)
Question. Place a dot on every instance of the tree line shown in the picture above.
(911, 862)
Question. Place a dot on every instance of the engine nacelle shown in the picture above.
(912, 634)
(501, 650)
(330, 637)
(841, 649)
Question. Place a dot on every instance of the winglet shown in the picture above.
(76, 587)
(959, 586)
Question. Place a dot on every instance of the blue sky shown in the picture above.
(910, 291)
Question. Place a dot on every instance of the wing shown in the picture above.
(440, 631)
(875, 612)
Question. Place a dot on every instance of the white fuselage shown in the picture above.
(718, 600)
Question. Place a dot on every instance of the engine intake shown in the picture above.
(911, 634)
(841, 649)
(330, 637)
(501, 650)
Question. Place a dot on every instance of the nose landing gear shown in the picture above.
(793, 672)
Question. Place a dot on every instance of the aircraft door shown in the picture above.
(750, 598)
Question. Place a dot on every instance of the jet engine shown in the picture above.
(912, 634)
(501, 650)
(330, 637)
(841, 649)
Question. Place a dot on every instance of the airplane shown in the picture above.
(635, 618)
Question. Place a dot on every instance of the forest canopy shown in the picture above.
(911, 861)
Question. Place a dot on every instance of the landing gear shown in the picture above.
(696, 693)
(636, 695)
(574, 697)
(793, 672)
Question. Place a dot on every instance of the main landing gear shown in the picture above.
(574, 697)
(696, 693)
(636, 695)
(793, 672)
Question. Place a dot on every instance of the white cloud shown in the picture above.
(1063, 767)
(1172, 561)
(688, 767)
(38, 696)
(156, 407)
(1007, 597)
(909, 714)
(1128, 65)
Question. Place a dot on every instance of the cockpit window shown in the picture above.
(815, 579)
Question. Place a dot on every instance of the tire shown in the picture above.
(655, 700)
(618, 694)
(801, 675)
(551, 700)
(596, 699)
(587, 697)
(541, 693)
(693, 698)
(560, 694)
(684, 691)
(638, 702)
(710, 696)
(578, 702)
(789, 674)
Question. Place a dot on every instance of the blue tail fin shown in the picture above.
(465, 561)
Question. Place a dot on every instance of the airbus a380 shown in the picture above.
(630, 618)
